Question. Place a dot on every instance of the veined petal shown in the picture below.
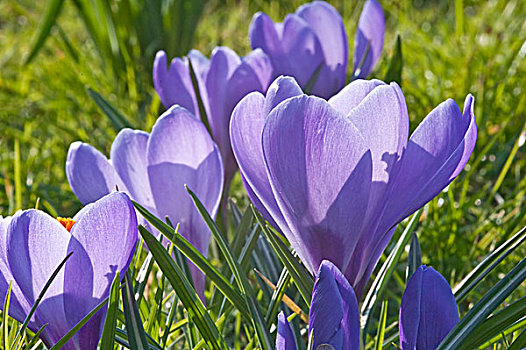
(19, 307)
(383, 121)
(333, 316)
(352, 94)
(223, 64)
(428, 311)
(128, 156)
(36, 245)
(369, 38)
(285, 338)
(103, 243)
(174, 84)
(436, 153)
(328, 27)
(316, 160)
(90, 175)
(180, 152)
(281, 89)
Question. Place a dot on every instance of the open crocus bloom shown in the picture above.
(33, 244)
(428, 311)
(311, 45)
(153, 169)
(223, 81)
(337, 176)
(427, 314)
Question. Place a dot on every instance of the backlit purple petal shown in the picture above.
(104, 239)
(173, 83)
(333, 316)
(351, 95)
(316, 160)
(328, 26)
(369, 40)
(223, 64)
(128, 156)
(285, 338)
(36, 245)
(247, 126)
(91, 176)
(19, 307)
(428, 311)
(179, 144)
(436, 152)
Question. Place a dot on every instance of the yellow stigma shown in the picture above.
(67, 223)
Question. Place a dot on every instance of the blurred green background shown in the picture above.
(450, 48)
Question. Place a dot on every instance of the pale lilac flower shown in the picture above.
(223, 81)
(102, 237)
(336, 176)
(153, 169)
(311, 45)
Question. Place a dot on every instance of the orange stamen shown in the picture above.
(67, 223)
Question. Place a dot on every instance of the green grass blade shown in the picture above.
(136, 334)
(520, 342)
(36, 338)
(39, 299)
(478, 313)
(117, 119)
(185, 247)
(381, 327)
(313, 79)
(496, 324)
(487, 265)
(258, 321)
(277, 296)
(5, 313)
(185, 292)
(108, 333)
(78, 326)
(394, 70)
(415, 257)
(51, 13)
(299, 273)
(198, 95)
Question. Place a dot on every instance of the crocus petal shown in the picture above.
(316, 160)
(246, 126)
(292, 46)
(36, 245)
(370, 33)
(128, 156)
(223, 63)
(352, 94)
(333, 316)
(18, 307)
(103, 243)
(436, 153)
(384, 123)
(90, 175)
(285, 338)
(428, 310)
(327, 25)
(180, 144)
(174, 84)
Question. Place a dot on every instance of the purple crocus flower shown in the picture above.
(337, 176)
(428, 311)
(311, 44)
(153, 169)
(333, 315)
(102, 237)
(223, 81)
